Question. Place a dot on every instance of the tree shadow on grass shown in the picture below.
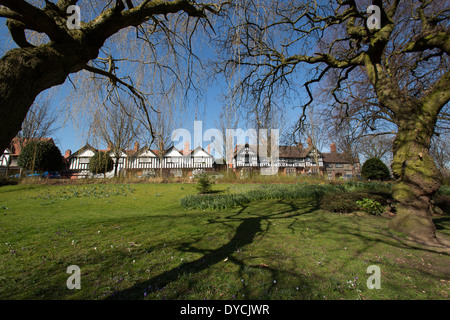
(253, 223)
(250, 226)
(442, 222)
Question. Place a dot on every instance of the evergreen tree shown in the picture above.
(375, 169)
(101, 162)
(40, 156)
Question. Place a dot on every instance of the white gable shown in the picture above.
(4, 159)
(173, 153)
(312, 154)
(122, 155)
(86, 153)
(147, 153)
(246, 150)
(200, 153)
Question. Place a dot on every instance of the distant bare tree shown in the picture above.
(314, 131)
(265, 117)
(132, 35)
(228, 119)
(440, 151)
(158, 128)
(401, 61)
(115, 126)
(377, 146)
(346, 138)
(164, 125)
(40, 122)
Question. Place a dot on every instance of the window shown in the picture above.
(84, 160)
(339, 165)
(145, 161)
(247, 158)
(172, 160)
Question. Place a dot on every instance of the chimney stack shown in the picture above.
(209, 148)
(136, 146)
(68, 153)
(186, 148)
(310, 144)
(300, 145)
(333, 147)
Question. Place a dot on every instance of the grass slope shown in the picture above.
(137, 242)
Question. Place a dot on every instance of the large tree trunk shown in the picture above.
(26, 72)
(418, 178)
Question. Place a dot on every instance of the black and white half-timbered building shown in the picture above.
(143, 161)
(247, 159)
(293, 161)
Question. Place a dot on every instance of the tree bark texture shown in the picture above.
(26, 72)
(29, 70)
(418, 177)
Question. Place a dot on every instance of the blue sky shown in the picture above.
(68, 136)
(71, 137)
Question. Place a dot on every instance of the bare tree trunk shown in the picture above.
(27, 71)
(116, 166)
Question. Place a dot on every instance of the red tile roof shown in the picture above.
(334, 157)
(17, 144)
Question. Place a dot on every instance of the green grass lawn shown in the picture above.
(136, 242)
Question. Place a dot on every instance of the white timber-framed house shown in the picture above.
(143, 161)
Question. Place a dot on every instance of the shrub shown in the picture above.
(383, 187)
(291, 191)
(210, 201)
(375, 169)
(335, 198)
(101, 162)
(6, 181)
(346, 202)
(339, 202)
(370, 206)
(444, 190)
(40, 156)
(203, 184)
